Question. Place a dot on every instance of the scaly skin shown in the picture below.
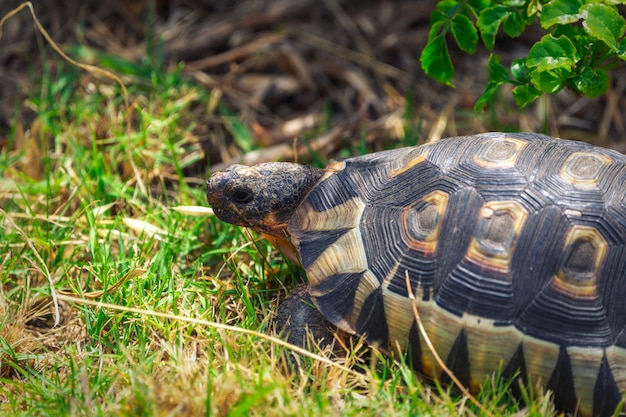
(262, 197)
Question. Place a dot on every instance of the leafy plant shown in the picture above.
(584, 40)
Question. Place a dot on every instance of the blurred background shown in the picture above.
(302, 77)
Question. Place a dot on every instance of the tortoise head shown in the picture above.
(262, 197)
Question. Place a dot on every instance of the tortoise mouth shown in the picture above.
(228, 216)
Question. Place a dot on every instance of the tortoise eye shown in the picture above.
(242, 195)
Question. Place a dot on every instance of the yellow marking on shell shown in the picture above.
(332, 168)
(499, 153)
(418, 290)
(585, 284)
(578, 232)
(582, 169)
(540, 358)
(342, 216)
(346, 254)
(489, 347)
(367, 285)
(410, 164)
(398, 310)
(417, 228)
(492, 253)
(585, 364)
(442, 327)
(390, 275)
(616, 357)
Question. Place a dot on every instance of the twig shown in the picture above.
(88, 68)
(214, 325)
(234, 54)
(97, 294)
(354, 56)
(432, 349)
(212, 35)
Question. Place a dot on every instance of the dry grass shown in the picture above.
(88, 189)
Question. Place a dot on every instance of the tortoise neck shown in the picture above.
(284, 245)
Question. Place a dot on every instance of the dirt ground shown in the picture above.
(338, 72)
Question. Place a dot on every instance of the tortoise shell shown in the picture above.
(514, 245)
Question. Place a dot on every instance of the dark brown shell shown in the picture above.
(515, 248)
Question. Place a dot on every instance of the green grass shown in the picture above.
(71, 182)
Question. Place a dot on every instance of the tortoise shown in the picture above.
(514, 245)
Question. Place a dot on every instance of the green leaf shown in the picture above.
(525, 94)
(560, 12)
(477, 6)
(576, 34)
(438, 20)
(520, 71)
(464, 33)
(446, 6)
(497, 72)
(621, 49)
(514, 3)
(603, 22)
(497, 76)
(435, 60)
(572, 32)
(592, 82)
(489, 22)
(551, 53)
(533, 8)
(547, 81)
(513, 25)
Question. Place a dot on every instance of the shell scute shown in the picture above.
(514, 245)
